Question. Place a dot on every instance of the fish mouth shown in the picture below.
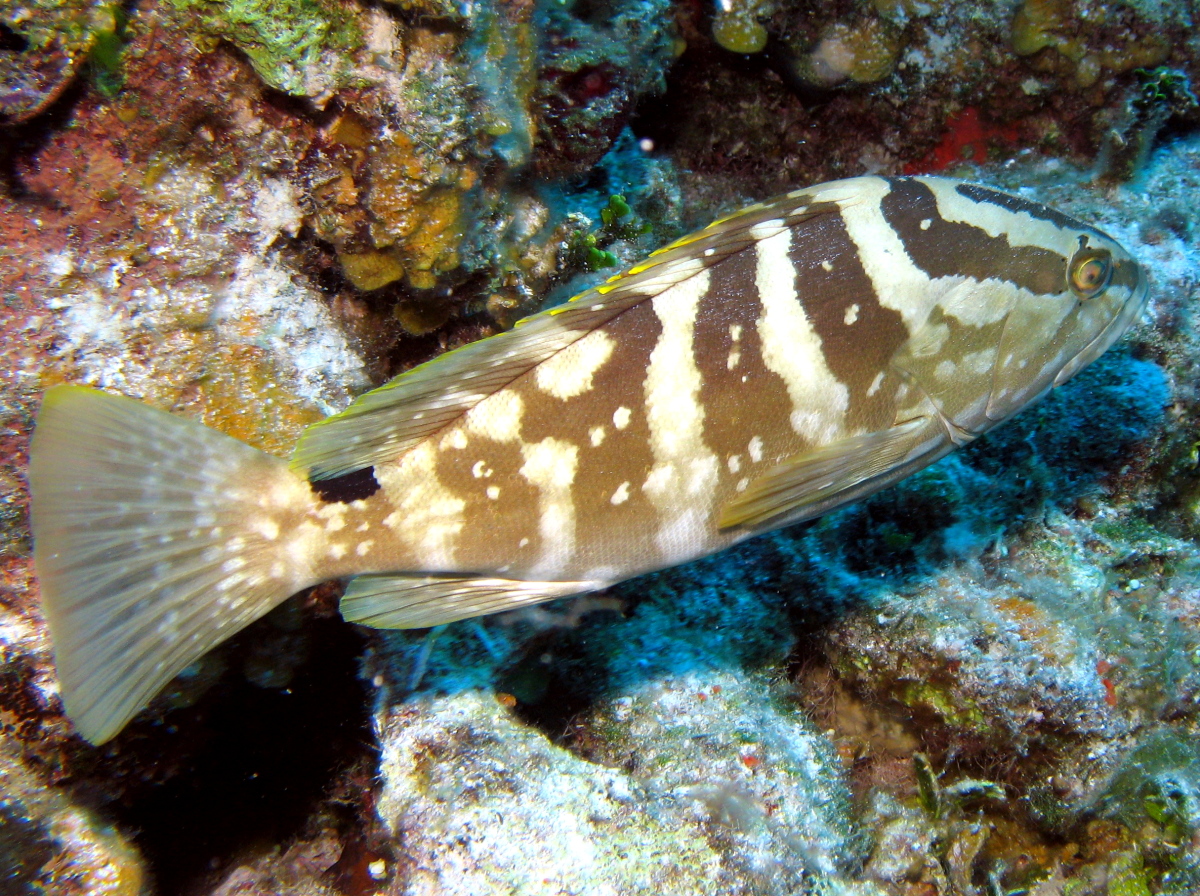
(1116, 328)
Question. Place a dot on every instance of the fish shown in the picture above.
(783, 362)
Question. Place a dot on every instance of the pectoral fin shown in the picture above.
(816, 482)
(424, 601)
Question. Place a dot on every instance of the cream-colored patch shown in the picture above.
(621, 495)
(303, 545)
(979, 303)
(337, 551)
(493, 492)
(875, 384)
(899, 284)
(428, 516)
(734, 462)
(851, 314)
(596, 436)
(1019, 227)
(550, 466)
(569, 373)
(926, 223)
(827, 265)
(980, 362)
(480, 470)
(331, 512)
(735, 356)
(621, 417)
(364, 547)
(268, 529)
(497, 417)
(656, 480)
(754, 449)
(455, 438)
(945, 370)
(791, 347)
(735, 332)
(362, 527)
(928, 341)
(285, 491)
(683, 480)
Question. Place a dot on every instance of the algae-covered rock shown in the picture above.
(49, 843)
(297, 46)
(44, 45)
(485, 805)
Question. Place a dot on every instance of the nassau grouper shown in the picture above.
(785, 361)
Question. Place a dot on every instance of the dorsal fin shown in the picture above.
(383, 423)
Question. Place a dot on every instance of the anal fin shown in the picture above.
(388, 601)
(816, 482)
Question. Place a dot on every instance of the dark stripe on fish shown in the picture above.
(1016, 204)
(952, 249)
(858, 335)
(730, 419)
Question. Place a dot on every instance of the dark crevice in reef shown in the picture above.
(555, 682)
(260, 762)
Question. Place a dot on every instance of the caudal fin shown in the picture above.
(155, 538)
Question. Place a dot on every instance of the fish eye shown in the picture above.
(1090, 272)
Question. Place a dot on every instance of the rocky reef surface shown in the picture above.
(985, 680)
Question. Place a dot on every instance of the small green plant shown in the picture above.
(617, 223)
(104, 58)
(1164, 85)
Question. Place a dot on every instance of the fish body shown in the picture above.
(783, 362)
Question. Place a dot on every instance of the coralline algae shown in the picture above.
(984, 680)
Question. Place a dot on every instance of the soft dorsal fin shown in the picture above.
(384, 601)
(817, 481)
(385, 422)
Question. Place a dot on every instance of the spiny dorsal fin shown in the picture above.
(813, 483)
(383, 423)
(383, 601)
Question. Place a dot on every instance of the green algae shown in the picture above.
(283, 39)
(70, 23)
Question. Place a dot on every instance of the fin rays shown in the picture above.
(142, 548)
(385, 601)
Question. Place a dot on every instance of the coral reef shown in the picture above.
(297, 46)
(49, 844)
(984, 680)
(43, 47)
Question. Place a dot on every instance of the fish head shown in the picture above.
(1048, 338)
(1018, 297)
